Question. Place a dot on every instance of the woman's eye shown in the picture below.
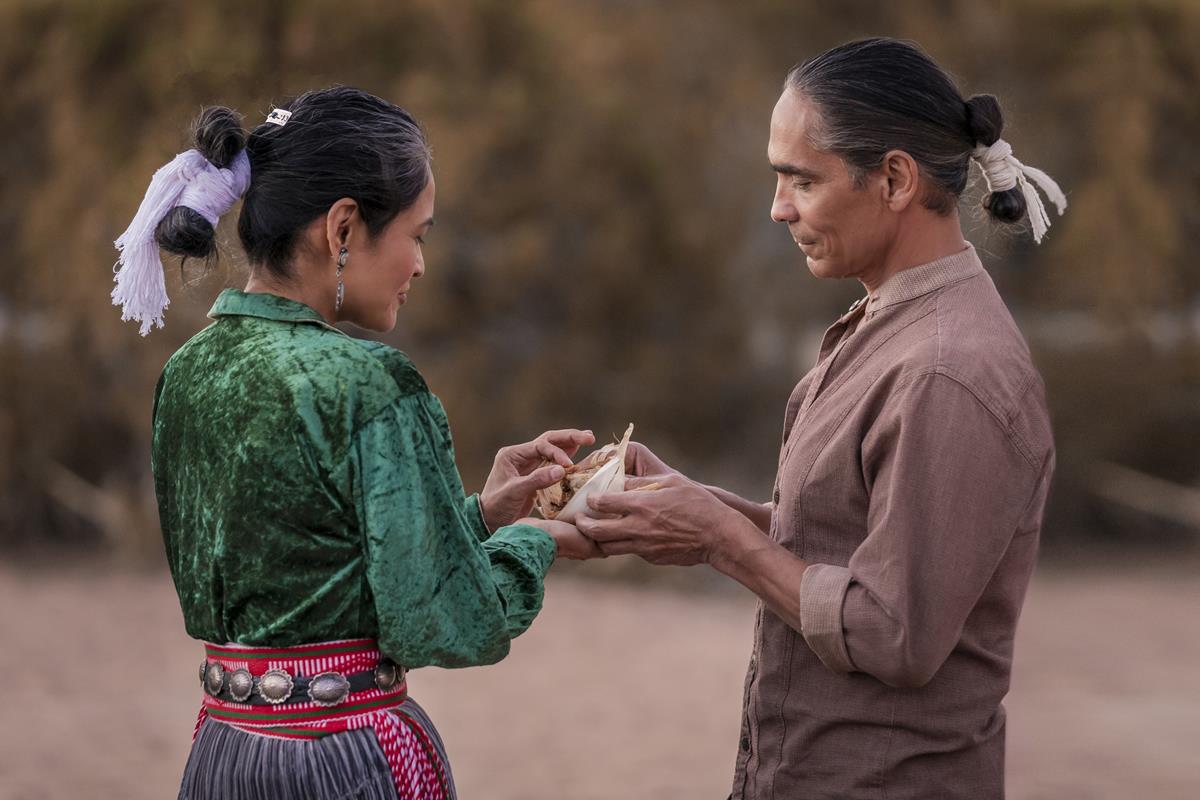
(420, 240)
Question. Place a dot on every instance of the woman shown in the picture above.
(316, 527)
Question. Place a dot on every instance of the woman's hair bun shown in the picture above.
(985, 122)
(219, 136)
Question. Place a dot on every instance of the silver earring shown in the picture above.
(341, 288)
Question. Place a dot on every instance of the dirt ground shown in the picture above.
(616, 692)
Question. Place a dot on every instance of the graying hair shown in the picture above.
(876, 95)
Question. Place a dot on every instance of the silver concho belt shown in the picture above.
(276, 686)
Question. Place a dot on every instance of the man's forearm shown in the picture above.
(762, 566)
(758, 513)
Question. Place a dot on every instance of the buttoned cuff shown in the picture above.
(822, 593)
(475, 518)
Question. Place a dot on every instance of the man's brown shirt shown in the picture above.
(913, 475)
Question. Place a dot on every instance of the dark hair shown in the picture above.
(338, 142)
(881, 94)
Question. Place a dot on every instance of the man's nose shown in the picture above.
(782, 209)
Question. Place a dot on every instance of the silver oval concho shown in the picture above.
(275, 686)
(214, 676)
(386, 674)
(241, 684)
(329, 688)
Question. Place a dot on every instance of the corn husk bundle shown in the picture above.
(602, 471)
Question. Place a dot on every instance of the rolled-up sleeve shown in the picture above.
(441, 595)
(822, 594)
(948, 485)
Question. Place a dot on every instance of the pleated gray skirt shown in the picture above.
(231, 764)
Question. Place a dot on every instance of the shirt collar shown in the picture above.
(911, 283)
(236, 303)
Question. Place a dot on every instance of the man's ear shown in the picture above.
(902, 179)
(339, 224)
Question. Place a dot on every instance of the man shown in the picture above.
(894, 556)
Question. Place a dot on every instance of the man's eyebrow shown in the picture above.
(799, 172)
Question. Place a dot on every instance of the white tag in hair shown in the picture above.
(279, 116)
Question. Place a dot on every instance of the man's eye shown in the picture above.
(801, 184)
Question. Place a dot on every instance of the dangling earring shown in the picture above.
(341, 288)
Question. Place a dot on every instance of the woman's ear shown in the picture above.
(903, 179)
(339, 224)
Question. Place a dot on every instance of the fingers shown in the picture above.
(620, 547)
(602, 530)
(569, 541)
(542, 477)
(568, 436)
(551, 453)
(556, 447)
(614, 502)
(634, 457)
(568, 440)
(575, 545)
(634, 483)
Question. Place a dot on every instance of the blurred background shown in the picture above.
(603, 255)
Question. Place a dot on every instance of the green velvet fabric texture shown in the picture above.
(307, 491)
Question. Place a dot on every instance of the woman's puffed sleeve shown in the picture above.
(442, 596)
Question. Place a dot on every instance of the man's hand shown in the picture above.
(571, 543)
(520, 470)
(640, 461)
(681, 523)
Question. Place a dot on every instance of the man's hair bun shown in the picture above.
(218, 134)
(985, 122)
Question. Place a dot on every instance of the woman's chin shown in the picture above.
(382, 322)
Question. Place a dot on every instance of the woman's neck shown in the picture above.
(317, 298)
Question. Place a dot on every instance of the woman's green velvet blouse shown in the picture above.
(307, 490)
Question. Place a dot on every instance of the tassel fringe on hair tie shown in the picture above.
(189, 180)
(1003, 171)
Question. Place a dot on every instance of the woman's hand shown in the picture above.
(520, 470)
(571, 543)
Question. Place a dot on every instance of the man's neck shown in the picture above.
(916, 244)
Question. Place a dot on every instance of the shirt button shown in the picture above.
(745, 744)
(775, 495)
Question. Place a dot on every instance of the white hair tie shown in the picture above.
(1003, 171)
(189, 180)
